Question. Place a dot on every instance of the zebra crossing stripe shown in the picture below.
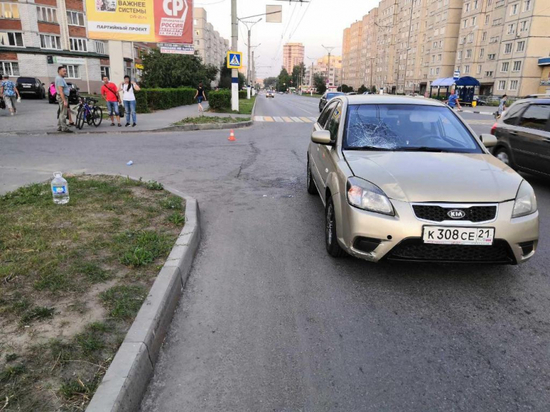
(296, 119)
(305, 119)
(278, 119)
(268, 119)
(258, 118)
(287, 120)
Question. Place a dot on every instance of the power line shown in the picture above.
(303, 15)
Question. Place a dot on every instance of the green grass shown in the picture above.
(211, 120)
(52, 260)
(245, 107)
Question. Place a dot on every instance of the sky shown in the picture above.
(317, 23)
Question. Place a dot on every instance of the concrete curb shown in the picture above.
(126, 380)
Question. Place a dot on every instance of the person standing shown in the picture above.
(10, 93)
(502, 105)
(200, 96)
(453, 101)
(62, 98)
(110, 92)
(129, 99)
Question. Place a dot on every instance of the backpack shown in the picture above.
(53, 91)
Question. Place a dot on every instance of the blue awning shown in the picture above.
(545, 61)
(444, 82)
(467, 81)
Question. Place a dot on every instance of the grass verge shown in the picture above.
(72, 278)
(245, 107)
(211, 120)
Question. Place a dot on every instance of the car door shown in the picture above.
(508, 132)
(315, 148)
(325, 152)
(531, 143)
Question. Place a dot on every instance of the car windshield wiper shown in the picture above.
(423, 149)
(380, 149)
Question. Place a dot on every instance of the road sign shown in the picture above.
(234, 60)
(456, 75)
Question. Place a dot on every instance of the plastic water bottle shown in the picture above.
(60, 189)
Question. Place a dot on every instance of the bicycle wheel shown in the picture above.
(97, 116)
(80, 119)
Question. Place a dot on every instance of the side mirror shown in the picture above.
(321, 137)
(488, 140)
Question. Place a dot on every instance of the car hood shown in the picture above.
(436, 177)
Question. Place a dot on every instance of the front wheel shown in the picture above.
(504, 156)
(331, 240)
(97, 116)
(80, 119)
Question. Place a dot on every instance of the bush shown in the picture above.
(243, 94)
(162, 99)
(220, 100)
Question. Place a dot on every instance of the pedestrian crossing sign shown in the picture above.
(234, 60)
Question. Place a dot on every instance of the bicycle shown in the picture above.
(89, 113)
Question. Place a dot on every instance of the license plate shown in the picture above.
(27, 86)
(440, 235)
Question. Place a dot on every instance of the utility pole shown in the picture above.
(329, 50)
(234, 47)
(249, 25)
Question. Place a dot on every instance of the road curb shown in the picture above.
(126, 380)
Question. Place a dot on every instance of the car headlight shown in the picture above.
(366, 196)
(526, 201)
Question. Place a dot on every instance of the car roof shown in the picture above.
(391, 99)
(536, 100)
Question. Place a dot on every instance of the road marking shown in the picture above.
(296, 119)
(268, 119)
(313, 119)
(278, 119)
(306, 120)
(287, 120)
(258, 118)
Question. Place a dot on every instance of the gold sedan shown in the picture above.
(406, 179)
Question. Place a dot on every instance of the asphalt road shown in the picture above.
(270, 322)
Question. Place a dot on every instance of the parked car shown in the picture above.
(327, 97)
(351, 93)
(270, 93)
(523, 134)
(73, 94)
(406, 179)
(30, 86)
(481, 100)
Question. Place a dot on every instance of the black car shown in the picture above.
(73, 94)
(523, 134)
(326, 98)
(31, 86)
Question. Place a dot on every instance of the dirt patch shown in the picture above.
(72, 278)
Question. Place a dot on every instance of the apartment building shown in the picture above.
(293, 55)
(352, 55)
(498, 42)
(209, 45)
(368, 48)
(321, 67)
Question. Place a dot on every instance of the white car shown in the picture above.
(269, 94)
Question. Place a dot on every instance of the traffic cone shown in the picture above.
(232, 136)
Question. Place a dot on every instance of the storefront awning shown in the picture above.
(467, 81)
(443, 82)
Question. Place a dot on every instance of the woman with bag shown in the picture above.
(9, 91)
(129, 99)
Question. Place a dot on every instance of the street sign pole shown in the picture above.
(234, 47)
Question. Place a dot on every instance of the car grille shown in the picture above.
(416, 249)
(439, 214)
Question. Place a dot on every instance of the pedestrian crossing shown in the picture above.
(284, 119)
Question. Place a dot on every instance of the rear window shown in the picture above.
(511, 115)
(536, 117)
(333, 95)
(26, 80)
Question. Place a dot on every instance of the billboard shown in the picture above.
(154, 21)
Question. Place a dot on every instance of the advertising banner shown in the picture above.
(154, 21)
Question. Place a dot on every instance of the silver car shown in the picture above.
(403, 178)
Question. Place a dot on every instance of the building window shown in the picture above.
(75, 18)
(491, 56)
(523, 26)
(467, 7)
(467, 68)
(527, 5)
(504, 67)
(471, 38)
(437, 71)
(517, 66)
(469, 54)
(508, 48)
(460, 55)
(46, 14)
(511, 28)
(514, 9)
(50, 42)
(78, 44)
(476, 4)
(479, 68)
(482, 53)
(99, 47)
(487, 19)
(9, 11)
(501, 85)
(10, 38)
(105, 71)
(9, 68)
(484, 36)
(73, 71)
(513, 84)
(489, 74)
(465, 24)
(474, 21)
(521, 46)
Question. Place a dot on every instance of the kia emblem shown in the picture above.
(456, 214)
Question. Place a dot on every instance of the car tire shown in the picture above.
(311, 188)
(503, 154)
(331, 240)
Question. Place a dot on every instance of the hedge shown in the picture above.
(162, 99)
(243, 94)
(220, 100)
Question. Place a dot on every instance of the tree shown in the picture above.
(346, 89)
(373, 89)
(172, 70)
(320, 83)
(225, 77)
(297, 72)
(362, 89)
(270, 82)
(284, 80)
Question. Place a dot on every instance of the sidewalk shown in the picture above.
(38, 117)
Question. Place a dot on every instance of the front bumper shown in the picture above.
(400, 237)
